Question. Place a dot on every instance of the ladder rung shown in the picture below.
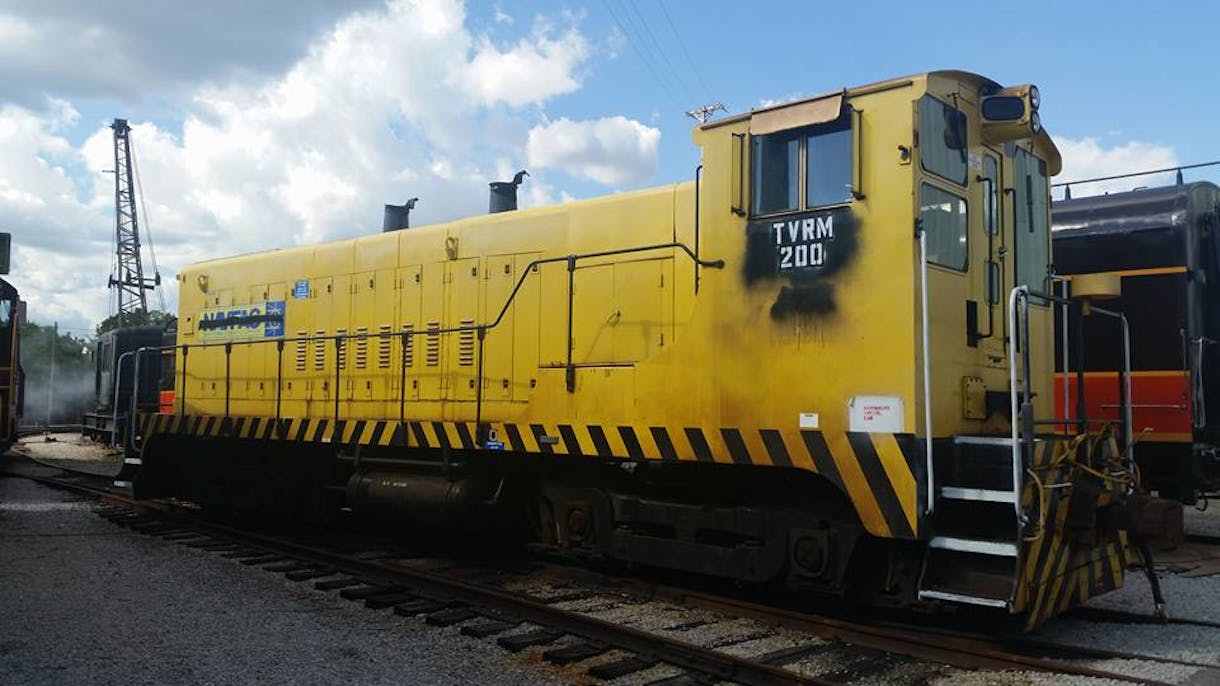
(962, 598)
(977, 494)
(974, 545)
(983, 440)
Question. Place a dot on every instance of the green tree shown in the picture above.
(155, 317)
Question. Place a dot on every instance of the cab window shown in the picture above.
(942, 140)
(991, 197)
(1032, 230)
(943, 218)
(802, 169)
(776, 172)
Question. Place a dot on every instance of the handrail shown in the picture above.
(129, 439)
(1067, 354)
(480, 330)
(1023, 293)
(927, 372)
(1017, 293)
(118, 380)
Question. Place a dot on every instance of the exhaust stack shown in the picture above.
(398, 217)
(504, 193)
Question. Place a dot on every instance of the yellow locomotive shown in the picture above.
(798, 369)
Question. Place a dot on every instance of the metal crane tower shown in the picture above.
(128, 276)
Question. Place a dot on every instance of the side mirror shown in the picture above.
(955, 130)
(6, 242)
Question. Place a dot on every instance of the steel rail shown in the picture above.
(707, 661)
(932, 644)
(957, 648)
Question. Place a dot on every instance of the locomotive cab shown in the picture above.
(942, 309)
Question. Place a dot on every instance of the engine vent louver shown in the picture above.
(302, 351)
(319, 350)
(432, 345)
(383, 346)
(409, 343)
(362, 347)
(466, 344)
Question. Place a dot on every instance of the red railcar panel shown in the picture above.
(1160, 401)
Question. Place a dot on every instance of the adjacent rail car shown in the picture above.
(11, 377)
(114, 362)
(1162, 243)
(800, 369)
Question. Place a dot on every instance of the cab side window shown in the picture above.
(802, 169)
(776, 172)
(943, 217)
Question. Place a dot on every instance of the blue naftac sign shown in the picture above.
(300, 289)
(243, 322)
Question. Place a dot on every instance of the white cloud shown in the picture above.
(388, 104)
(73, 48)
(1087, 158)
(615, 151)
(534, 70)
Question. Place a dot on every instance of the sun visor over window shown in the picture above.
(816, 111)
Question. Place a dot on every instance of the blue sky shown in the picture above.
(281, 123)
(1114, 71)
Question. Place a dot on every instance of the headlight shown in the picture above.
(1035, 122)
(1035, 98)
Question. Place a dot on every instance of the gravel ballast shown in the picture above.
(84, 601)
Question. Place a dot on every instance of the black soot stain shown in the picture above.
(809, 290)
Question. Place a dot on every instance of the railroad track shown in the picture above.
(577, 625)
(1094, 614)
(1206, 539)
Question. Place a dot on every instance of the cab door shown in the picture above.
(990, 279)
(955, 244)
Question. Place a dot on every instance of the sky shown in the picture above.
(286, 122)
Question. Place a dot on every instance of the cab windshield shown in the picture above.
(942, 140)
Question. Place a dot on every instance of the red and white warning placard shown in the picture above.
(876, 413)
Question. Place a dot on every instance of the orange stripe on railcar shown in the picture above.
(1160, 401)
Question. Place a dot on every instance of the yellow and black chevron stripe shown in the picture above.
(879, 472)
(1057, 572)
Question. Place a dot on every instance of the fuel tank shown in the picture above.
(433, 497)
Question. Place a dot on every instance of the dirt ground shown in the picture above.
(68, 448)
